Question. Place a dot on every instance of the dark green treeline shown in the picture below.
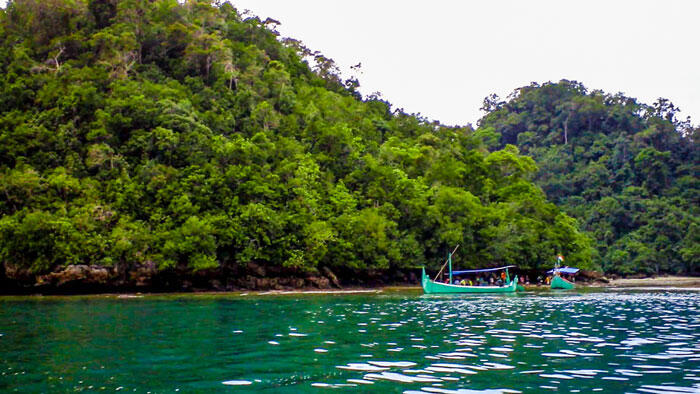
(629, 172)
(193, 137)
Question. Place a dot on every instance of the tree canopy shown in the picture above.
(626, 170)
(192, 137)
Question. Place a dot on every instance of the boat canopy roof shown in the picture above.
(565, 270)
(481, 270)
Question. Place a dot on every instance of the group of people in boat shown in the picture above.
(500, 280)
(486, 280)
(548, 278)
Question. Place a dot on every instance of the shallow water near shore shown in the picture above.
(391, 341)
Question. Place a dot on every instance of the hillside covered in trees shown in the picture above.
(143, 139)
(164, 138)
(629, 172)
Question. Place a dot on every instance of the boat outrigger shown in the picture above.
(434, 287)
(557, 281)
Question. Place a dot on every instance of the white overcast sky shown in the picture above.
(441, 58)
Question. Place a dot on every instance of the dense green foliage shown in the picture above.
(627, 171)
(191, 137)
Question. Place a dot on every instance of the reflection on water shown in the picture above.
(611, 341)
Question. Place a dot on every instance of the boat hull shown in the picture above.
(432, 287)
(560, 283)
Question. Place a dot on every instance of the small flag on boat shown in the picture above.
(560, 257)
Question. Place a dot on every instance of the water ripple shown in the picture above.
(616, 341)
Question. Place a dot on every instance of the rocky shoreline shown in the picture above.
(93, 279)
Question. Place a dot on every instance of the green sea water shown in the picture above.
(401, 341)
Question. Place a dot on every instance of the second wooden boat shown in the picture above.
(557, 281)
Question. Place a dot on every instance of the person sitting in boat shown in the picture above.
(463, 282)
(503, 277)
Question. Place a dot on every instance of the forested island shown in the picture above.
(149, 144)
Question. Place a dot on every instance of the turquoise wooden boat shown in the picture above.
(560, 283)
(433, 287)
(557, 281)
